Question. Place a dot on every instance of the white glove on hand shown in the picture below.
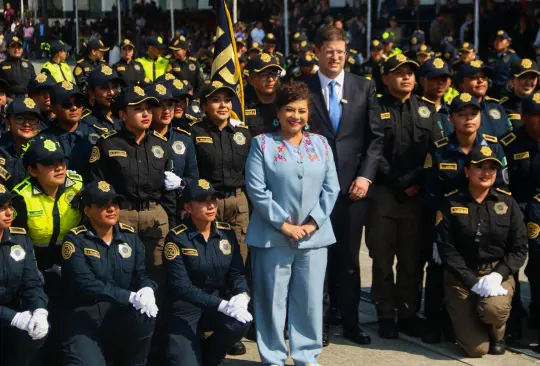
(235, 311)
(501, 291)
(55, 269)
(491, 282)
(241, 300)
(436, 257)
(150, 311)
(479, 290)
(172, 181)
(132, 298)
(21, 320)
(39, 325)
(145, 298)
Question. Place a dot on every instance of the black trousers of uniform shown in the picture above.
(185, 343)
(342, 281)
(104, 331)
(17, 348)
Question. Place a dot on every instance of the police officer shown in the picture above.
(96, 49)
(307, 66)
(434, 78)
(75, 137)
(202, 257)
(472, 78)
(111, 307)
(500, 62)
(443, 173)
(389, 50)
(103, 85)
(134, 160)
(294, 56)
(523, 79)
(184, 161)
(128, 68)
(394, 225)
(353, 62)
(264, 73)
(16, 70)
(467, 54)
(153, 63)
(269, 46)
(57, 66)
(371, 69)
(482, 242)
(39, 90)
(23, 119)
(23, 316)
(424, 53)
(184, 67)
(255, 49)
(181, 105)
(418, 38)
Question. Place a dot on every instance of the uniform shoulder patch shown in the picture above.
(81, 60)
(125, 227)
(490, 138)
(160, 136)
(451, 193)
(503, 191)
(109, 134)
(503, 99)
(25, 184)
(441, 142)
(183, 131)
(17, 230)
(507, 140)
(223, 225)
(179, 229)
(428, 100)
(102, 129)
(79, 229)
(193, 58)
(492, 99)
(194, 122)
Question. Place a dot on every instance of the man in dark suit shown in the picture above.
(346, 112)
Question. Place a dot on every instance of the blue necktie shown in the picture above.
(334, 107)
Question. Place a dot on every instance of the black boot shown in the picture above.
(387, 329)
(238, 349)
(497, 348)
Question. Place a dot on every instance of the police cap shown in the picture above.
(387, 37)
(58, 46)
(262, 62)
(531, 104)
(376, 45)
(394, 62)
(159, 91)
(41, 81)
(481, 153)
(424, 49)
(255, 46)
(433, 68)
(466, 47)
(194, 112)
(102, 75)
(214, 87)
(199, 190)
(179, 43)
(63, 91)
(525, 66)
(240, 41)
(417, 39)
(299, 37)
(99, 193)
(471, 69)
(133, 95)
(6, 195)
(95, 45)
(270, 38)
(307, 60)
(44, 151)
(447, 52)
(503, 34)
(23, 105)
(463, 100)
(178, 89)
(126, 43)
(13, 40)
(155, 42)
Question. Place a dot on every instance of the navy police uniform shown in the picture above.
(132, 72)
(17, 71)
(188, 69)
(500, 65)
(86, 65)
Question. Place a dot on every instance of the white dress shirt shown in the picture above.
(325, 81)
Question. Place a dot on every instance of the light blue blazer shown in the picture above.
(288, 183)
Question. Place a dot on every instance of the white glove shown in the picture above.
(172, 181)
(501, 291)
(436, 257)
(145, 297)
(150, 311)
(235, 311)
(21, 320)
(132, 298)
(55, 269)
(39, 325)
(479, 290)
(241, 300)
(491, 282)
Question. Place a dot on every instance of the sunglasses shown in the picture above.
(69, 104)
(20, 120)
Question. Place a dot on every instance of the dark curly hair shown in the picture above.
(291, 92)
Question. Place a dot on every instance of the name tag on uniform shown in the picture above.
(91, 253)
(521, 156)
(34, 213)
(204, 140)
(190, 252)
(251, 112)
(7, 67)
(121, 68)
(448, 166)
(115, 153)
(385, 115)
(177, 69)
(459, 211)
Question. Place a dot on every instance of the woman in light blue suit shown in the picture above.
(292, 183)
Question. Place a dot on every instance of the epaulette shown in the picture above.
(193, 58)
(223, 225)
(503, 191)
(109, 134)
(17, 230)
(195, 122)
(243, 125)
(79, 229)
(353, 51)
(22, 186)
(125, 227)
(279, 54)
(179, 229)
(25, 59)
(506, 140)
(512, 50)
(514, 116)
(441, 142)
(492, 99)
(451, 193)
(86, 113)
(158, 135)
(503, 99)
(183, 131)
(104, 129)
(168, 57)
(537, 197)
(490, 138)
(4, 173)
(427, 100)
(81, 60)
(74, 176)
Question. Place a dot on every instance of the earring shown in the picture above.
(306, 127)
(275, 123)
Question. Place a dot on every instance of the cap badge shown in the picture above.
(500, 33)
(466, 45)
(414, 40)
(101, 43)
(160, 40)
(303, 44)
(106, 70)
(465, 97)
(2, 188)
(28, 102)
(255, 44)
(195, 108)
(217, 84)
(66, 85)
(401, 58)
(376, 43)
(169, 76)
(438, 63)
(476, 63)
(139, 91)
(386, 35)
(15, 39)
(176, 42)
(204, 184)
(161, 90)
(296, 35)
(41, 78)
(266, 57)
(423, 48)
(536, 97)
(526, 63)
(126, 41)
(178, 84)
(309, 58)
(270, 36)
(49, 145)
(104, 186)
(182, 38)
(486, 151)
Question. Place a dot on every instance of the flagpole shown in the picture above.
(286, 21)
(119, 21)
(173, 31)
(234, 11)
(76, 8)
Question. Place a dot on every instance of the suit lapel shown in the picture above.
(319, 103)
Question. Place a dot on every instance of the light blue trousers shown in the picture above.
(290, 280)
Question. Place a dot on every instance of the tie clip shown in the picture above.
(344, 101)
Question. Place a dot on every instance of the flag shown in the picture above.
(226, 67)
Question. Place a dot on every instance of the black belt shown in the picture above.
(137, 205)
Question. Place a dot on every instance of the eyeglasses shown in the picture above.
(20, 120)
(338, 53)
(273, 74)
(69, 104)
